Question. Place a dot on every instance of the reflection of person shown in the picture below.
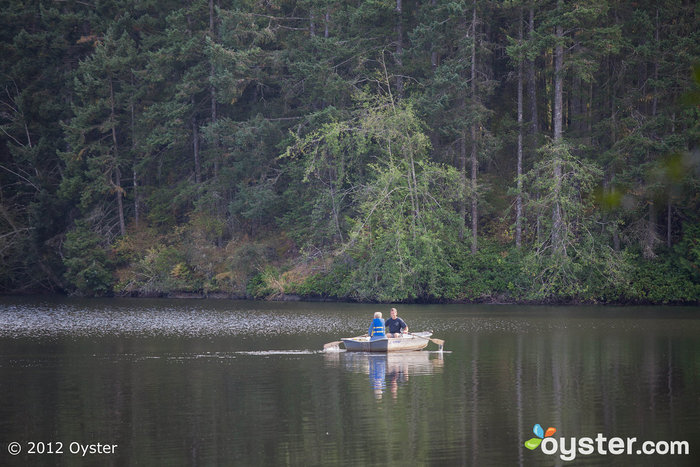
(377, 374)
(393, 384)
(395, 326)
(396, 374)
(376, 329)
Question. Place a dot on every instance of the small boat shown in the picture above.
(413, 341)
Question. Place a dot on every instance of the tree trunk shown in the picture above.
(134, 148)
(655, 99)
(577, 120)
(475, 206)
(669, 213)
(557, 227)
(212, 88)
(332, 180)
(120, 202)
(650, 237)
(532, 79)
(669, 216)
(589, 115)
(519, 199)
(137, 206)
(558, 85)
(195, 147)
(474, 163)
(399, 49)
(433, 53)
(463, 175)
(118, 181)
(415, 184)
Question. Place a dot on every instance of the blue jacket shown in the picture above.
(376, 329)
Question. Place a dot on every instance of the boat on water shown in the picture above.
(413, 341)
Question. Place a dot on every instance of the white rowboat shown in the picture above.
(413, 341)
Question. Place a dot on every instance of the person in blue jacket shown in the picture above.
(376, 329)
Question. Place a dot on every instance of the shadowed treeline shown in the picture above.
(521, 151)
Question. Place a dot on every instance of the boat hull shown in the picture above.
(416, 341)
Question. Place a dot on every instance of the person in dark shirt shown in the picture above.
(395, 326)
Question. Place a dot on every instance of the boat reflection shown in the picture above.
(388, 371)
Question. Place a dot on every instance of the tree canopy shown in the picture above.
(441, 150)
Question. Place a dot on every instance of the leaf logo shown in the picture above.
(534, 443)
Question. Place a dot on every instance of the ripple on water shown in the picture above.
(138, 318)
(68, 319)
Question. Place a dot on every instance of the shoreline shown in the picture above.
(499, 300)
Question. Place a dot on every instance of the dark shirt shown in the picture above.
(395, 325)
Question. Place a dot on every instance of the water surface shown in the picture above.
(200, 382)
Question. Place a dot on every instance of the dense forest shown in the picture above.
(395, 150)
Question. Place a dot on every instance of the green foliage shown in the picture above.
(268, 283)
(328, 283)
(88, 267)
(687, 252)
(568, 256)
(161, 270)
(396, 235)
(493, 273)
(343, 149)
(662, 281)
(104, 88)
(257, 287)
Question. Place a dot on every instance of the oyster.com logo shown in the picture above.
(534, 443)
(570, 447)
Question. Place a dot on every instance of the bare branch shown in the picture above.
(20, 176)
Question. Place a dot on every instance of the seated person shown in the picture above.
(376, 329)
(395, 326)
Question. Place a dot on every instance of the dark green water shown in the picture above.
(198, 382)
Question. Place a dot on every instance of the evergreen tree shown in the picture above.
(100, 133)
(400, 147)
(40, 44)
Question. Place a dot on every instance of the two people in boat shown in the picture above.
(393, 327)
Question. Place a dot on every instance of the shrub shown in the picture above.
(88, 267)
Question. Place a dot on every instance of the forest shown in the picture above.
(515, 151)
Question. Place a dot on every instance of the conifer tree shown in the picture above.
(99, 134)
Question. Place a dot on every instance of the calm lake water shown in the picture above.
(205, 382)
